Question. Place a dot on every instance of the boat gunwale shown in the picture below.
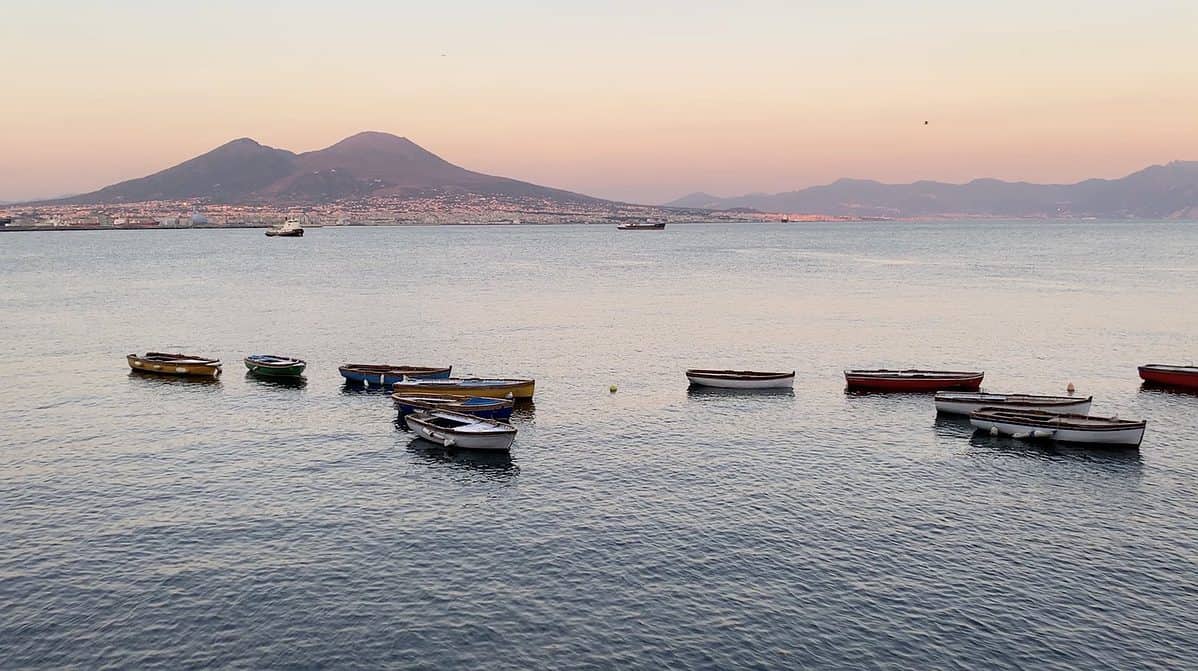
(1050, 420)
(178, 359)
(738, 374)
(912, 374)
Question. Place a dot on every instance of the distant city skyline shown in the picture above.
(639, 102)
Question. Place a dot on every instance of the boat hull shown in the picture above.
(386, 376)
(1080, 429)
(516, 389)
(492, 441)
(961, 404)
(293, 369)
(1120, 437)
(641, 227)
(738, 380)
(498, 408)
(144, 365)
(912, 381)
(1185, 377)
(297, 233)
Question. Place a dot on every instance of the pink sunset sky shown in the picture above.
(641, 101)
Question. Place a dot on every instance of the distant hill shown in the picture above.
(369, 163)
(1158, 192)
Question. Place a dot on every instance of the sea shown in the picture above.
(169, 523)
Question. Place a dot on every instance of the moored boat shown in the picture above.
(477, 406)
(740, 379)
(912, 380)
(163, 363)
(383, 375)
(965, 402)
(484, 387)
(1037, 424)
(1170, 376)
(275, 366)
(288, 229)
(455, 429)
(642, 226)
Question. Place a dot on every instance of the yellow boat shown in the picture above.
(485, 388)
(174, 364)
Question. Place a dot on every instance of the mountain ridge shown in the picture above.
(369, 163)
(1166, 191)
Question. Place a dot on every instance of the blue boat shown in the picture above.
(382, 375)
(485, 408)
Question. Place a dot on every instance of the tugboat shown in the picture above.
(289, 229)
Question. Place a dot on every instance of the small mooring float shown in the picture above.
(162, 363)
(1040, 425)
(1184, 377)
(965, 402)
(740, 379)
(454, 429)
(912, 380)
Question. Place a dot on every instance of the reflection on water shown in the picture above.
(1149, 388)
(700, 391)
(173, 380)
(275, 381)
(491, 462)
(953, 426)
(352, 389)
(1054, 451)
(524, 410)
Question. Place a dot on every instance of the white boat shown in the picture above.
(965, 402)
(454, 429)
(1037, 424)
(288, 229)
(740, 379)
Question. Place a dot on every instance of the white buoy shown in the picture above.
(994, 430)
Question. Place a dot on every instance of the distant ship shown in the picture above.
(289, 229)
(642, 225)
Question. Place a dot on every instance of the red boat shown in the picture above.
(912, 380)
(1170, 376)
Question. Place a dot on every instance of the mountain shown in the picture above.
(1158, 192)
(366, 164)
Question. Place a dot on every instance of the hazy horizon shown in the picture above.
(614, 100)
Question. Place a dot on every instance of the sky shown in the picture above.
(641, 101)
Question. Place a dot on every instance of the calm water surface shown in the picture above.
(155, 522)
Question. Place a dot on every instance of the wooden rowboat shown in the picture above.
(1035, 424)
(486, 388)
(454, 429)
(740, 379)
(275, 366)
(384, 375)
(162, 363)
(912, 380)
(477, 406)
(965, 402)
(1170, 376)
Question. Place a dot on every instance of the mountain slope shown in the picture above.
(231, 172)
(1161, 191)
(366, 164)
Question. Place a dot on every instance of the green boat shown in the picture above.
(269, 365)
